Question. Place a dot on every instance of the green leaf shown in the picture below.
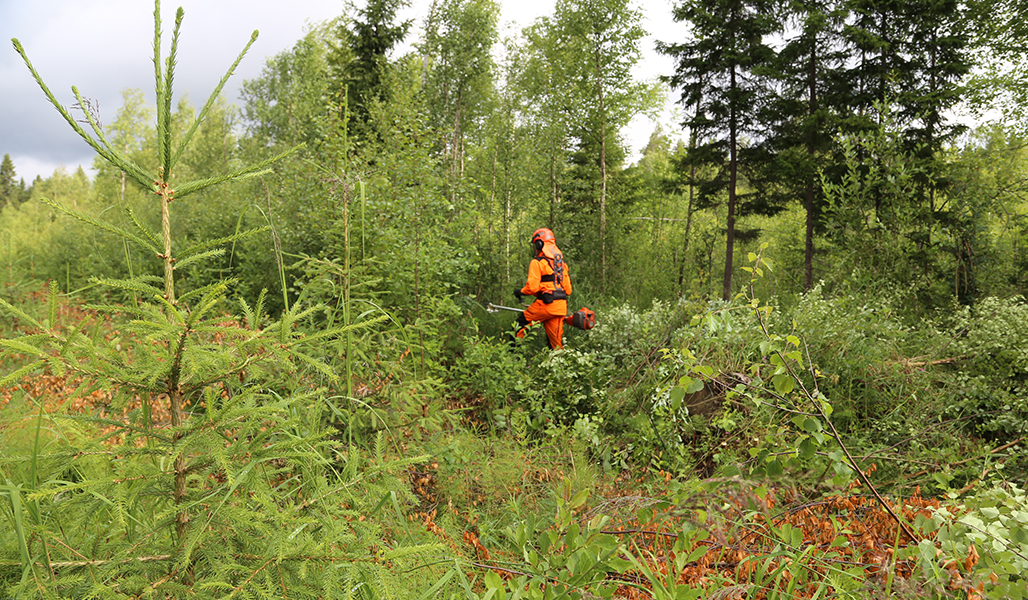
(579, 499)
(807, 449)
(705, 370)
(783, 383)
(774, 468)
(492, 580)
(677, 395)
(698, 553)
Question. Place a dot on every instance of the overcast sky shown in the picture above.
(104, 47)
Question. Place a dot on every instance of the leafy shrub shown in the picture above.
(488, 375)
(993, 338)
(624, 335)
(982, 544)
(568, 384)
(855, 343)
(991, 342)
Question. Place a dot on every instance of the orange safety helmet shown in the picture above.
(541, 236)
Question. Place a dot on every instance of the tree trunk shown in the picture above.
(808, 254)
(726, 291)
(692, 198)
(603, 175)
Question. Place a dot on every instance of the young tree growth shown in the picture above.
(598, 44)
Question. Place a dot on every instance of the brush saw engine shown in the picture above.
(582, 318)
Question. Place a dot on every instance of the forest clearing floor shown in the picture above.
(799, 540)
(730, 537)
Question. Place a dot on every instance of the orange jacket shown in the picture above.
(541, 275)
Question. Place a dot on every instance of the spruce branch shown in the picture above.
(162, 124)
(20, 314)
(104, 225)
(91, 111)
(150, 234)
(201, 291)
(18, 374)
(137, 174)
(211, 100)
(20, 347)
(137, 284)
(202, 246)
(200, 257)
(260, 168)
(164, 106)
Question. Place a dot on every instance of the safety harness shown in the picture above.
(556, 278)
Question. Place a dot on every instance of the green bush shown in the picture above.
(488, 376)
(988, 344)
(986, 536)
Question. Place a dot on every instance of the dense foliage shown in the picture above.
(250, 358)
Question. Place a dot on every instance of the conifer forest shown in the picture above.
(265, 348)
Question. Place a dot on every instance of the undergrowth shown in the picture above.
(194, 445)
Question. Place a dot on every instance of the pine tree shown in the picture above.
(806, 110)
(9, 191)
(239, 490)
(359, 60)
(718, 72)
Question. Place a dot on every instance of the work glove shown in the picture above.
(518, 294)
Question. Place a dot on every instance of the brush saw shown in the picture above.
(582, 318)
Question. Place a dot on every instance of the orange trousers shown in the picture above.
(552, 317)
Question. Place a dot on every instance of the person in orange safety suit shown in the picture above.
(550, 283)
